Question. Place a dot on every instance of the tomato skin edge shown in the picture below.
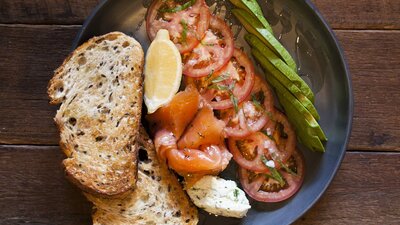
(271, 197)
(228, 37)
(242, 58)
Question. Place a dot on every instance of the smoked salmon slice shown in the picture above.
(177, 114)
(205, 129)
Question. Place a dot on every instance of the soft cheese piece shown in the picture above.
(220, 197)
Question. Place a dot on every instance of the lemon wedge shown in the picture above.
(162, 72)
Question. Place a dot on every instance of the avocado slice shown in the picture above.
(286, 82)
(303, 134)
(256, 43)
(252, 25)
(301, 114)
(253, 7)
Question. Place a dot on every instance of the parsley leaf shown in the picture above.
(178, 8)
(274, 172)
(210, 75)
(219, 87)
(255, 101)
(287, 169)
(234, 101)
(220, 78)
(236, 194)
(184, 31)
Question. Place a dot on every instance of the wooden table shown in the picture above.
(36, 35)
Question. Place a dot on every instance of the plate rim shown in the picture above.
(311, 7)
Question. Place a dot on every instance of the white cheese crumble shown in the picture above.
(220, 197)
(270, 163)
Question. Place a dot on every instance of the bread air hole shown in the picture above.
(72, 121)
(99, 138)
(143, 155)
(60, 89)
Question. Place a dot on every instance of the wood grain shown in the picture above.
(28, 56)
(365, 14)
(34, 191)
(45, 11)
(31, 53)
(373, 58)
(365, 191)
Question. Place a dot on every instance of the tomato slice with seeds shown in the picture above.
(252, 114)
(282, 133)
(213, 51)
(276, 141)
(229, 86)
(248, 152)
(261, 92)
(264, 188)
(185, 22)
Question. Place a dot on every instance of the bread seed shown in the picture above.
(72, 121)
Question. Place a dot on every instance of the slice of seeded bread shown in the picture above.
(99, 87)
(158, 198)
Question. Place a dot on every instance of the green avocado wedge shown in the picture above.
(292, 88)
(303, 135)
(300, 114)
(253, 26)
(256, 43)
(253, 7)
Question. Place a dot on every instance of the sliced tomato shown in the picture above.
(262, 187)
(213, 51)
(248, 152)
(275, 142)
(282, 133)
(252, 114)
(186, 22)
(177, 114)
(205, 129)
(230, 85)
(236, 123)
(261, 92)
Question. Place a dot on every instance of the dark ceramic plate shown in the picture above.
(312, 43)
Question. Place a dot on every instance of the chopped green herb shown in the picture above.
(234, 101)
(220, 78)
(210, 75)
(219, 87)
(184, 31)
(178, 8)
(256, 102)
(287, 169)
(236, 193)
(274, 172)
(228, 88)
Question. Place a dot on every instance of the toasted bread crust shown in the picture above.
(158, 198)
(99, 87)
